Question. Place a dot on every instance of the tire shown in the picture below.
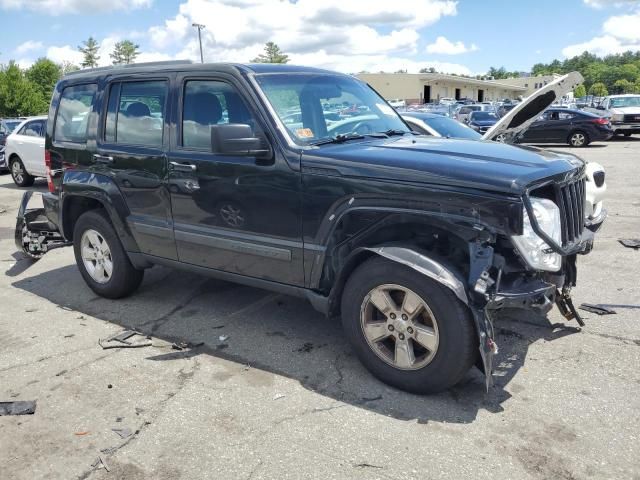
(93, 229)
(578, 139)
(627, 134)
(437, 369)
(19, 174)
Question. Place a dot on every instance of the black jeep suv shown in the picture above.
(241, 172)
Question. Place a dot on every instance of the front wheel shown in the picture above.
(408, 330)
(578, 139)
(19, 174)
(102, 261)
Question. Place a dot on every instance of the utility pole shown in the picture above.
(199, 26)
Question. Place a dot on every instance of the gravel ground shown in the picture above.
(276, 393)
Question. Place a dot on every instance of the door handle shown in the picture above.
(183, 167)
(102, 158)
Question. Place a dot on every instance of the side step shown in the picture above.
(35, 235)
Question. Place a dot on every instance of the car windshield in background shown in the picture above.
(317, 107)
(625, 102)
(450, 128)
(483, 116)
(12, 124)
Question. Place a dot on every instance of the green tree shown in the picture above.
(580, 91)
(89, 49)
(272, 54)
(428, 70)
(68, 67)
(18, 95)
(44, 74)
(125, 52)
(599, 90)
(636, 87)
(623, 86)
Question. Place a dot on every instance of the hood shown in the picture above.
(442, 161)
(526, 112)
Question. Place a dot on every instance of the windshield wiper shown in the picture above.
(394, 131)
(343, 137)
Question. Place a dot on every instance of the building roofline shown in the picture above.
(452, 78)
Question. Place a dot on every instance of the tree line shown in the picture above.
(25, 92)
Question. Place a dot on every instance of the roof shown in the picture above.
(428, 77)
(189, 66)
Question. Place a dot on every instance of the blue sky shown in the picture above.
(464, 36)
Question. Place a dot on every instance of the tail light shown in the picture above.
(47, 164)
(601, 121)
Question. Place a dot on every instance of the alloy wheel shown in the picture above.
(232, 215)
(399, 327)
(17, 171)
(577, 139)
(96, 256)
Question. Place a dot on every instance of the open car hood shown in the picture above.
(527, 111)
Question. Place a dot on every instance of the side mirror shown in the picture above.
(237, 139)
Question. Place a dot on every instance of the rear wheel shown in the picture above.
(578, 139)
(627, 134)
(102, 261)
(408, 330)
(19, 174)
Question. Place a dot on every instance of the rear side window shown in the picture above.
(72, 119)
(135, 113)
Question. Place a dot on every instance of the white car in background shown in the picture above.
(397, 103)
(24, 151)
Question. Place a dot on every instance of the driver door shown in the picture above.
(238, 214)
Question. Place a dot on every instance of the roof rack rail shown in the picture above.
(131, 65)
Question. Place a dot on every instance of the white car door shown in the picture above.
(30, 141)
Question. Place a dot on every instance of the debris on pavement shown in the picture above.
(185, 345)
(278, 396)
(121, 340)
(81, 434)
(18, 408)
(630, 242)
(223, 338)
(100, 463)
(599, 309)
(122, 432)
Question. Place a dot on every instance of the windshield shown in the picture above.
(317, 106)
(450, 128)
(483, 116)
(625, 102)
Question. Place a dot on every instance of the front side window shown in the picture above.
(72, 119)
(135, 113)
(307, 103)
(207, 103)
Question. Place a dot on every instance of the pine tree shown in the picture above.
(272, 54)
(90, 52)
(125, 52)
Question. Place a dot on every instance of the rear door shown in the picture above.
(131, 148)
(30, 139)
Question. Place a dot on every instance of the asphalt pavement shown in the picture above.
(275, 392)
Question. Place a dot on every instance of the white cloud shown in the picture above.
(58, 7)
(65, 53)
(626, 27)
(446, 47)
(28, 46)
(599, 4)
(604, 45)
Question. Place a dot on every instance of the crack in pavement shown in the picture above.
(183, 378)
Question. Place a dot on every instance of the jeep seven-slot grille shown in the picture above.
(571, 198)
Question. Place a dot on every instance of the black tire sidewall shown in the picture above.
(125, 278)
(457, 347)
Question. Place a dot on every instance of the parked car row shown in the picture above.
(23, 152)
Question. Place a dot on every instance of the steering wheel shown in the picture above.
(363, 128)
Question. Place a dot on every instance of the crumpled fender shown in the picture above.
(453, 281)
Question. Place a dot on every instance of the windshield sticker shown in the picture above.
(304, 133)
(386, 109)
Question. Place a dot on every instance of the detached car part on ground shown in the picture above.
(415, 242)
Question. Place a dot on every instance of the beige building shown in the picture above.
(431, 87)
(531, 84)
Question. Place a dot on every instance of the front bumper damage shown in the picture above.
(36, 233)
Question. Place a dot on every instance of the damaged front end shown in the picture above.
(36, 232)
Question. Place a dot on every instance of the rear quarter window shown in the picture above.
(72, 117)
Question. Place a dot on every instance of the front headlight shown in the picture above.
(617, 117)
(534, 249)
